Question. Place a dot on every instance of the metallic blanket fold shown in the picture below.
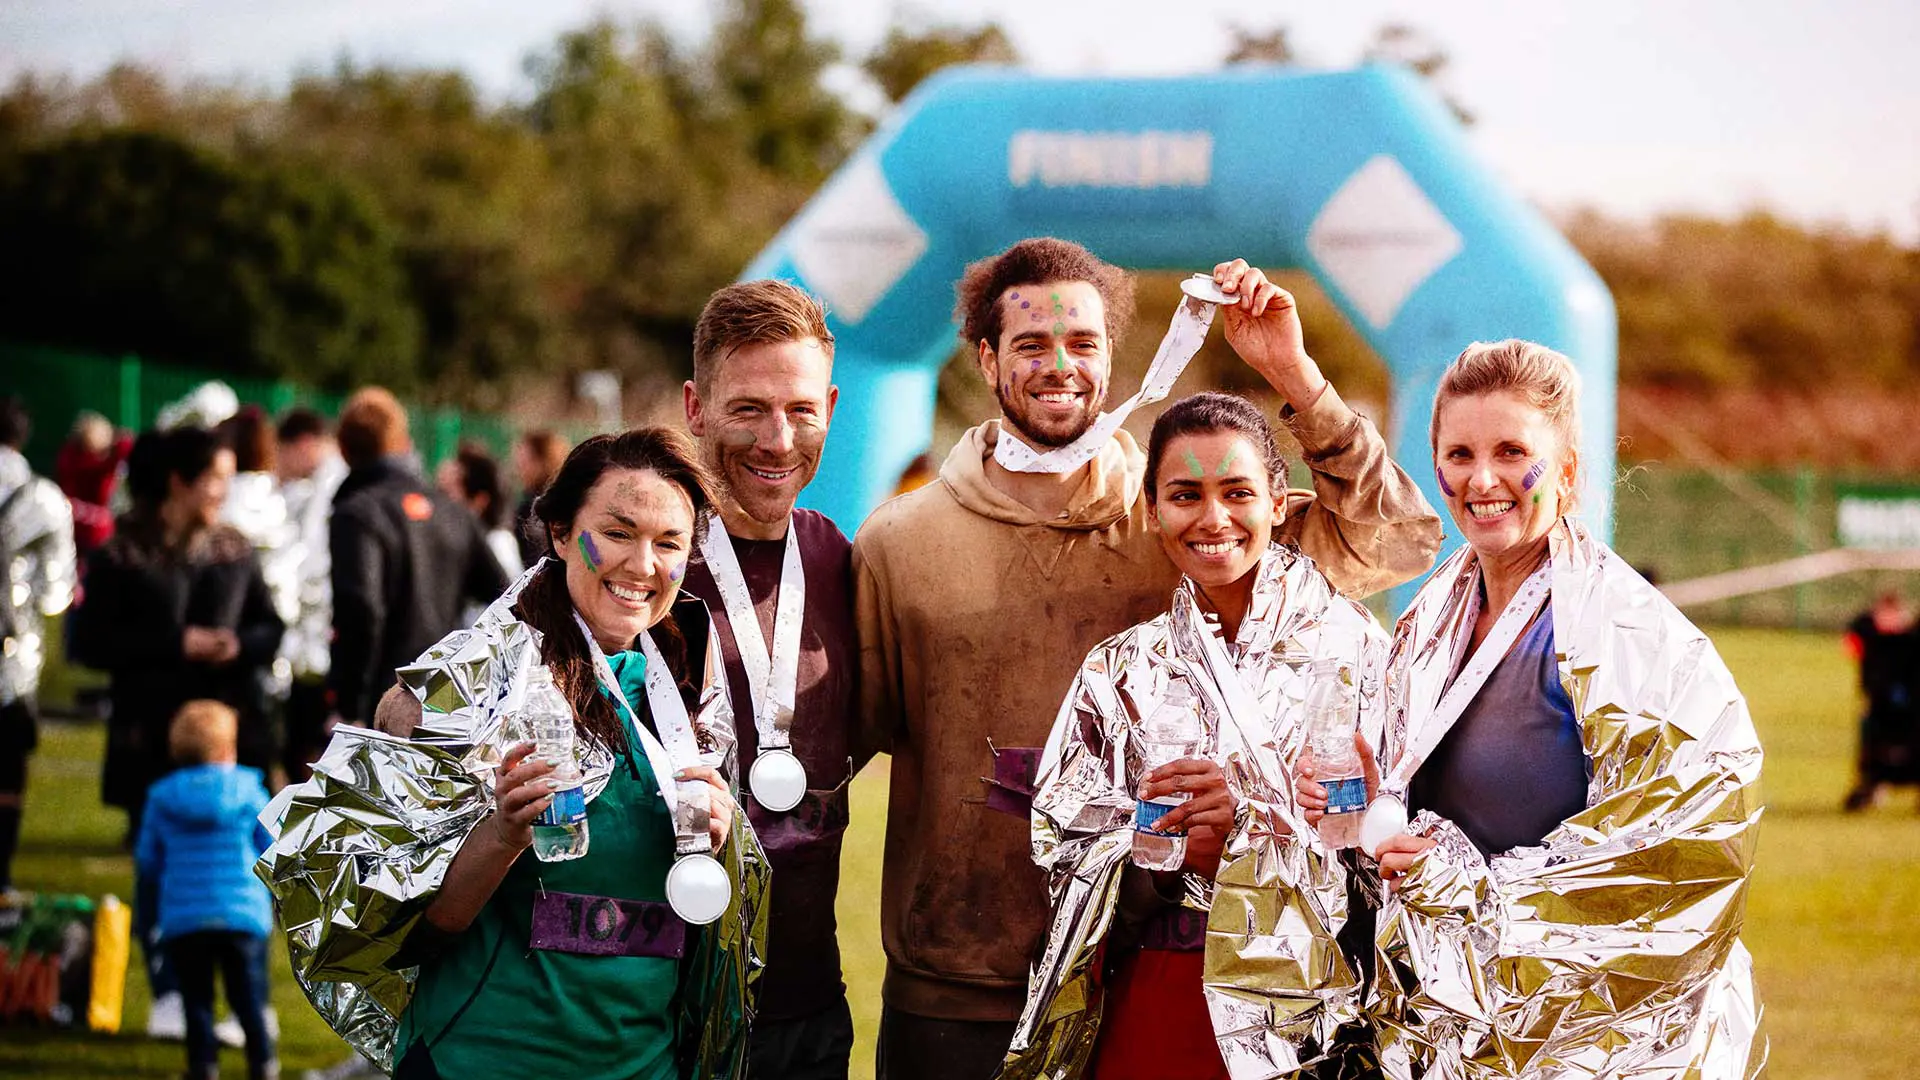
(37, 532)
(361, 848)
(1612, 949)
(1083, 809)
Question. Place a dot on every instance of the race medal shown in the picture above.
(698, 889)
(777, 779)
(1202, 287)
(1384, 820)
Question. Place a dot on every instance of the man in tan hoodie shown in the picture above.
(978, 596)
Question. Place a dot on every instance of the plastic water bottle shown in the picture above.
(1333, 712)
(1170, 732)
(560, 832)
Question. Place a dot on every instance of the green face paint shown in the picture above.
(1536, 498)
(1198, 470)
(1227, 462)
(589, 552)
(1059, 358)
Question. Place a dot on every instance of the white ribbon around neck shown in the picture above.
(1185, 335)
(1388, 813)
(772, 680)
(675, 748)
(1240, 703)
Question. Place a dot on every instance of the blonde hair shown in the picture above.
(201, 731)
(1537, 375)
(764, 312)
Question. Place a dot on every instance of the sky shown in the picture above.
(1635, 107)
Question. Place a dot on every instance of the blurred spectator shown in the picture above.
(198, 895)
(473, 477)
(310, 471)
(536, 457)
(88, 469)
(1886, 642)
(177, 610)
(36, 582)
(257, 508)
(406, 559)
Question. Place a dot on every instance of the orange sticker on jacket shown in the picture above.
(416, 506)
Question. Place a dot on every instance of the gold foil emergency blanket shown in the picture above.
(362, 847)
(1084, 806)
(1613, 948)
(36, 531)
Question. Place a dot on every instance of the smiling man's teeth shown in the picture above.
(765, 475)
(1058, 397)
(625, 593)
(1220, 547)
(1487, 510)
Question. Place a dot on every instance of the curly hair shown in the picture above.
(1038, 261)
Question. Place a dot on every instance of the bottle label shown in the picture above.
(568, 807)
(1346, 796)
(1145, 813)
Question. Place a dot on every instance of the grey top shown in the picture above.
(1513, 767)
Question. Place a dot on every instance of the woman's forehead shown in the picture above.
(1495, 415)
(639, 493)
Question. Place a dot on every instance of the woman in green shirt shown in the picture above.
(581, 967)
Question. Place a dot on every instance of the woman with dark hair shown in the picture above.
(425, 932)
(176, 609)
(473, 477)
(1250, 620)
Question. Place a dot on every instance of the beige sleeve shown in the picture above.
(880, 718)
(1364, 523)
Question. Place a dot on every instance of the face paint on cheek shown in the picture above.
(1441, 479)
(1198, 470)
(1533, 476)
(679, 571)
(589, 552)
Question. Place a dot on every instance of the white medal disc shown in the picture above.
(1384, 820)
(1202, 287)
(698, 889)
(777, 779)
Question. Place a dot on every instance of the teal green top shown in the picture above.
(488, 1005)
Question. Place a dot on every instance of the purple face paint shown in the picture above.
(589, 551)
(1533, 476)
(1036, 364)
(1441, 478)
(1075, 312)
(678, 572)
(1024, 304)
(1014, 296)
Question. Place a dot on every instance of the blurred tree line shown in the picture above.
(373, 222)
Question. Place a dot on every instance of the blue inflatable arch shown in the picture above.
(1361, 178)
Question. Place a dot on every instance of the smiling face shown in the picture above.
(1050, 367)
(1503, 472)
(1214, 506)
(763, 422)
(625, 553)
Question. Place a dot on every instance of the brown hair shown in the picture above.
(544, 603)
(1539, 376)
(548, 449)
(372, 425)
(1210, 412)
(760, 312)
(201, 730)
(1039, 261)
(250, 437)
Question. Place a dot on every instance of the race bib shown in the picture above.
(605, 926)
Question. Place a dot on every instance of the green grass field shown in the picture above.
(1837, 972)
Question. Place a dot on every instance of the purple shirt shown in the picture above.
(803, 844)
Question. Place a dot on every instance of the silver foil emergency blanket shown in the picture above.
(36, 530)
(1612, 949)
(361, 848)
(1083, 809)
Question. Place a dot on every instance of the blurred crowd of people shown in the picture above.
(273, 571)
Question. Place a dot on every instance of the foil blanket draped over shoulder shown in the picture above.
(1612, 949)
(1083, 809)
(36, 530)
(362, 847)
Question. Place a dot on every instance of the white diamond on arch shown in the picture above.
(856, 241)
(1379, 238)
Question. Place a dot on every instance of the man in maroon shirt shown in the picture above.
(778, 581)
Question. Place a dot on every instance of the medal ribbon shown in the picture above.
(676, 748)
(771, 681)
(1184, 337)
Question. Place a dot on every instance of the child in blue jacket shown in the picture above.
(198, 843)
